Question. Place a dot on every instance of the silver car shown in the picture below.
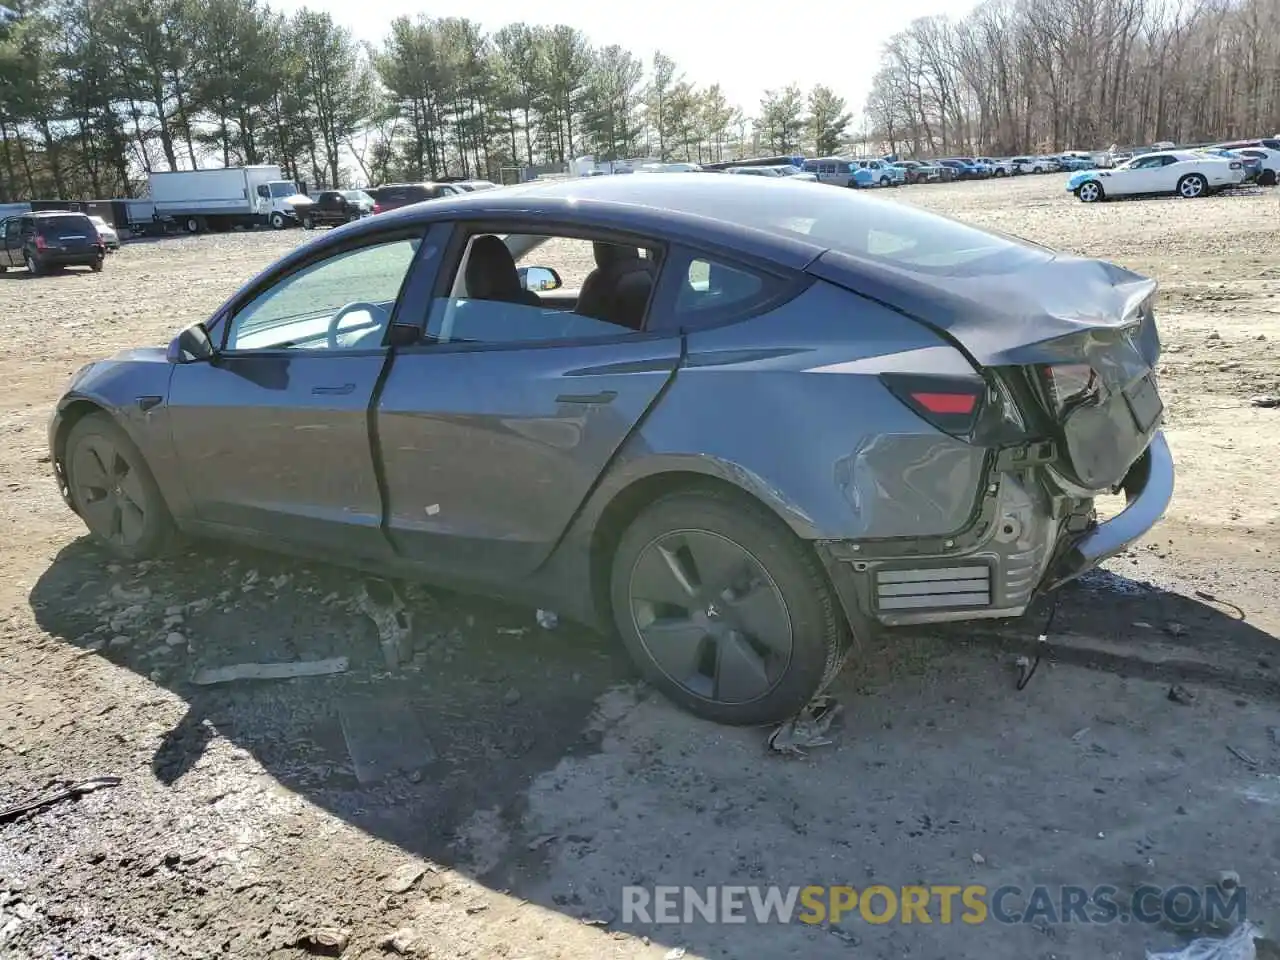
(770, 421)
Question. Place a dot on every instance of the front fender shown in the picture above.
(133, 390)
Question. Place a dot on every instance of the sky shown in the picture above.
(747, 46)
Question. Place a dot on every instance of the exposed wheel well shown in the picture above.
(627, 505)
(76, 411)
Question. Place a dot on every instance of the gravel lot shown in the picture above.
(530, 779)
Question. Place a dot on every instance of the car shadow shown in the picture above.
(20, 273)
(484, 704)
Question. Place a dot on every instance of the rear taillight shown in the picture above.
(952, 404)
(377, 208)
(1068, 385)
(41, 243)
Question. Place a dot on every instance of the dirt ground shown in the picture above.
(491, 799)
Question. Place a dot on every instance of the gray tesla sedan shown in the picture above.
(741, 421)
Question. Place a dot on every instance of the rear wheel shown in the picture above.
(308, 223)
(724, 610)
(1090, 192)
(34, 266)
(1268, 178)
(96, 265)
(193, 224)
(1193, 185)
(884, 181)
(113, 490)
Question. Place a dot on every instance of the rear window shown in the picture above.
(881, 230)
(62, 226)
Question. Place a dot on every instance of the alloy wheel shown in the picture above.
(1191, 187)
(710, 616)
(1090, 192)
(109, 491)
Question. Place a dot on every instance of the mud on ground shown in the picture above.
(524, 778)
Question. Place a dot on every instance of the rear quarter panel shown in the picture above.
(788, 406)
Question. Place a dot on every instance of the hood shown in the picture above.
(1078, 179)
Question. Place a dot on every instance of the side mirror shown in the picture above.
(540, 278)
(192, 345)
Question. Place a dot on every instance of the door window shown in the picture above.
(524, 288)
(12, 230)
(342, 303)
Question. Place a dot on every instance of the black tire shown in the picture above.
(135, 491)
(308, 223)
(96, 266)
(1267, 178)
(193, 224)
(1193, 186)
(277, 220)
(34, 266)
(777, 563)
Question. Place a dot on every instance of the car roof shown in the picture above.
(55, 213)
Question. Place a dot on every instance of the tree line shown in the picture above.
(1034, 76)
(94, 96)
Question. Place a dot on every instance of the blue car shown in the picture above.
(964, 169)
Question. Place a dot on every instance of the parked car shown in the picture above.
(982, 169)
(473, 185)
(392, 196)
(883, 174)
(631, 462)
(840, 172)
(333, 207)
(1187, 173)
(917, 172)
(49, 240)
(963, 169)
(106, 231)
(1252, 165)
(998, 168)
(1266, 150)
(772, 170)
(1027, 165)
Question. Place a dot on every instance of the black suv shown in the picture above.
(337, 206)
(394, 195)
(50, 239)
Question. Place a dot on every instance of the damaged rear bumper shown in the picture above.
(1148, 488)
(1024, 540)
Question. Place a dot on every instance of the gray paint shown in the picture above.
(491, 467)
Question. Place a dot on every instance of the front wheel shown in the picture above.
(96, 266)
(34, 266)
(307, 223)
(1090, 192)
(113, 490)
(1193, 185)
(884, 181)
(277, 221)
(1268, 178)
(724, 609)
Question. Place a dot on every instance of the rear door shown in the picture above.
(494, 429)
(11, 242)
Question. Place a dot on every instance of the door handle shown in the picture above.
(146, 403)
(604, 396)
(334, 391)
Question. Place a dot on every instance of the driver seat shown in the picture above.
(491, 273)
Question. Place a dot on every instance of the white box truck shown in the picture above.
(225, 197)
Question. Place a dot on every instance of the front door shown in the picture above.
(494, 430)
(273, 436)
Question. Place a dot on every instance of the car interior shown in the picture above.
(612, 299)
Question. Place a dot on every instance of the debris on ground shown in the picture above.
(1264, 401)
(675, 953)
(1175, 629)
(978, 859)
(1080, 734)
(1238, 946)
(806, 729)
(548, 619)
(402, 941)
(325, 941)
(1228, 880)
(404, 877)
(381, 603)
(67, 793)
(541, 841)
(384, 736)
(511, 697)
(1242, 756)
(1274, 734)
(1180, 694)
(270, 671)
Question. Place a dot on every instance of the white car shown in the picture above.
(999, 168)
(1183, 172)
(1027, 165)
(1267, 151)
(106, 232)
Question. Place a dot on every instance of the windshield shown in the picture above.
(282, 188)
(358, 196)
(70, 225)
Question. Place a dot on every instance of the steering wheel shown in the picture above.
(377, 311)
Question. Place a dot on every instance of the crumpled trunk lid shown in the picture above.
(1058, 311)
